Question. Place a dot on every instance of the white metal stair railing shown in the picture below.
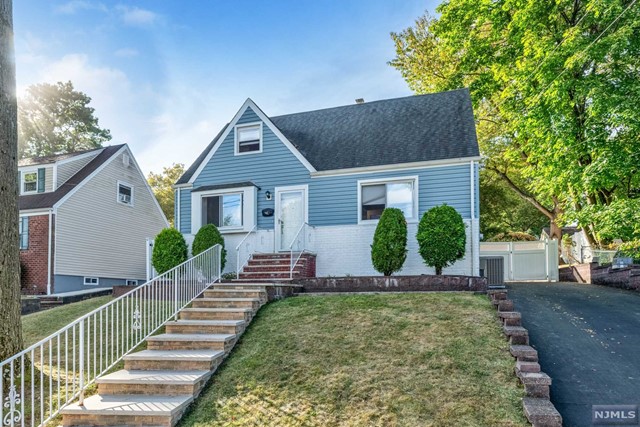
(246, 244)
(301, 242)
(42, 379)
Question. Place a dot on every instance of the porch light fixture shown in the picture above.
(267, 194)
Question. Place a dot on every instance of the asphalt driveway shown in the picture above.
(588, 339)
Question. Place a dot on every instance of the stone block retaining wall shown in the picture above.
(394, 284)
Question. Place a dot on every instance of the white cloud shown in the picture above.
(75, 6)
(126, 52)
(136, 16)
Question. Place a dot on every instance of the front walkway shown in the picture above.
(588, 339)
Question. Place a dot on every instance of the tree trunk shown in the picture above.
(10, 324)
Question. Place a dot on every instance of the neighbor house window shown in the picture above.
(249, 139)
(29, 182)
(91, 281)
(376, 196)
(125, 194)
(224, 210)
(23, 227)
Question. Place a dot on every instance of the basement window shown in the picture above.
(248, 139)
(131, 282)
(91, 281)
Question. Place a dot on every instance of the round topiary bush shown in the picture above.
(169, 250)
(389, 248)
(441, 237)
(206, 237)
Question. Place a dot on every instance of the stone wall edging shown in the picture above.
(537, 406)
(394, 284)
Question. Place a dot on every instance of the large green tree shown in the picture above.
(57, 119)
(162, 186)
(555, 87)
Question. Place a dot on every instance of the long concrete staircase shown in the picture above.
(157, 384)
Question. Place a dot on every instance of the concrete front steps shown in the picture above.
(276, 267)
(157, 384)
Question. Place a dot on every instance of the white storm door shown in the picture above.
(291, 214)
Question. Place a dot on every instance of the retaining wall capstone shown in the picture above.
(536, 405)
(395, 284)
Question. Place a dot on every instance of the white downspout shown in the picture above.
(49, 255)
(473, 215)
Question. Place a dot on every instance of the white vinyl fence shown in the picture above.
(524, 261)
(39, 381)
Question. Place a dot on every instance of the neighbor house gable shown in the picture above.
(248, 113)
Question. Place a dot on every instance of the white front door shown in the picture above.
(291, 214)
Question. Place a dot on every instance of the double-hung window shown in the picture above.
(29, 182)
(23, 226)
(375, 196)
(224, 210)
(248, 138)
(125, 194)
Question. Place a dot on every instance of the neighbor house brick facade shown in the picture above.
(35, 258)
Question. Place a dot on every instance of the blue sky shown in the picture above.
(166, 75)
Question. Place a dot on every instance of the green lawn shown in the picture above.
(37, 326)
(435, 359)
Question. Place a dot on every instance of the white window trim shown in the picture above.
(236, 147)
(249, 208)
(84, 281)
(228, 193)
(416, 197)
(22, 174)
(126, 184)
(131, 282)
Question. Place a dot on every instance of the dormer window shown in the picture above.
(29, 182)
(125, 194)
(248, 139)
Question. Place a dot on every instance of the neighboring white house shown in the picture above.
(84, 220)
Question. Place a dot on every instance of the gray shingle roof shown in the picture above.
(402, 130)
(47, 200)
(44, 160)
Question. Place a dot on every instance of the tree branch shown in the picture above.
(523, 194)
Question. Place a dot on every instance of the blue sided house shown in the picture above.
(300, 195)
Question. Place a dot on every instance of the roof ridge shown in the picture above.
(377, 101)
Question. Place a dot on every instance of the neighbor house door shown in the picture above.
(291, 214)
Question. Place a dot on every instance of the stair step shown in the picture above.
(236, 293)
(183, 326)
(203, 313)
(182, 360)
(252, 275)
(191, 342)
(166, 382)
(261, 286)
(271, 268)
(253, 303)
(130, 410)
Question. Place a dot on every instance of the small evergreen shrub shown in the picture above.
(169, 250)
(389, 248)
(206, 237)
(630, 250)
(441, 237)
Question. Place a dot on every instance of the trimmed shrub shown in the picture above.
(169, 250)
(389, 248)
(441, 237)
(206, 237)
(513, 236)
(630, 250)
